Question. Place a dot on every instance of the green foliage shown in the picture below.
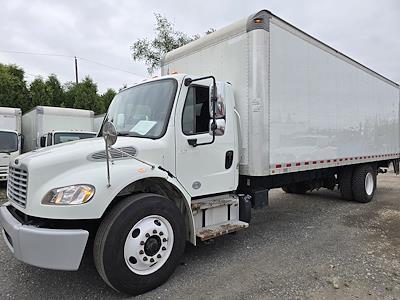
(84, 96)
(167, 39)
(40, 94)
(107, 97)
(13, 90)
(55, 90)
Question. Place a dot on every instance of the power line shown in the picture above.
(70, 56)
(35, 53)
(108, 66)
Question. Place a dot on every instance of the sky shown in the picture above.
(103, 31)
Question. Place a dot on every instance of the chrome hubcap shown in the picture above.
(148, 245)
(369, 184)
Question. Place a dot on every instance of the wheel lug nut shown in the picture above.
(142, 243)
(147, 235)
(161, 233)
(145, 258)
(164, 239)
(141, 252)
(154, 231)
(158, 255)
(151, 260)
(163, 248)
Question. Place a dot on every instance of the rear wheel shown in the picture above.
(139, 243)
(298, 187)
(364, 183)
(286, 189)
(345, 183)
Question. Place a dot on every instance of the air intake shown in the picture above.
(115, 154)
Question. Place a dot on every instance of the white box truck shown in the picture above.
(262, 105)
(10, 138)
(98, 121)
(45, 126)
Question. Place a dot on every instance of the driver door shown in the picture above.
(203, 169)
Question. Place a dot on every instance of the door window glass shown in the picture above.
(196, 113)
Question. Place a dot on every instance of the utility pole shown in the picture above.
(76, 70)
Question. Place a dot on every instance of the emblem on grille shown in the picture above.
(16, 161)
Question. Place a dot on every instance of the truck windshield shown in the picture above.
(63, 137)
(8, 142)
(143, 110)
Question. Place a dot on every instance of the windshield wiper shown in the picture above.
(123, 133)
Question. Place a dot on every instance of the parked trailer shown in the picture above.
(10, 138)
(45, 126)
(98, 121)
(185, 157)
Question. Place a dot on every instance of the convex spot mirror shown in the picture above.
(109, 133)
(219, 127)
(220, 104)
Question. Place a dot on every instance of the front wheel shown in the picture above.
(139, 243)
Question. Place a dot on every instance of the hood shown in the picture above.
(5, 158)
(89, 150)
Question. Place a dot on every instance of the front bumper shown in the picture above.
(58, 249)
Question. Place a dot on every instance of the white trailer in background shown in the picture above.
(10, 138)
(256, 105)
(45, 126)
(98, 120)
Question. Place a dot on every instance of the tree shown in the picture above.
(167, 39)
(13, 89)
(107, 97)
(56, 91)
(84, 96)
(40, 95)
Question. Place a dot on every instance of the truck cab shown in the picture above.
(58, 137)
(172, 171)
(10, 145)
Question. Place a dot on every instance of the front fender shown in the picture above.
(122, 173)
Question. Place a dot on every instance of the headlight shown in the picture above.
(69, 195)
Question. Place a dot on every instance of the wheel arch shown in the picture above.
(163, 187)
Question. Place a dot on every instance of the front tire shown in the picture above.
(139, 243)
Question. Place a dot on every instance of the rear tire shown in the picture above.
(139, 226)
(345, 183)
(299, 188)
(286, 189)
(364, 183)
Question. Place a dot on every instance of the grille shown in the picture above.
(101, 155)
(17, 185)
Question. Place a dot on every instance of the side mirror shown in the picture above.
(220, 103)
(43, 141)
(219, 128)
(109, 133)
(22, 140)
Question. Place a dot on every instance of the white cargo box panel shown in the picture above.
(10, 119)
(302, 104)
(44, 119)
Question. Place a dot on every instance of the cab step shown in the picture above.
(211, 202)
(214, 231)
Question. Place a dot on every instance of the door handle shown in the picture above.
(228, 159)
(192, 142)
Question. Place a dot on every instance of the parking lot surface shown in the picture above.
(313, 246)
